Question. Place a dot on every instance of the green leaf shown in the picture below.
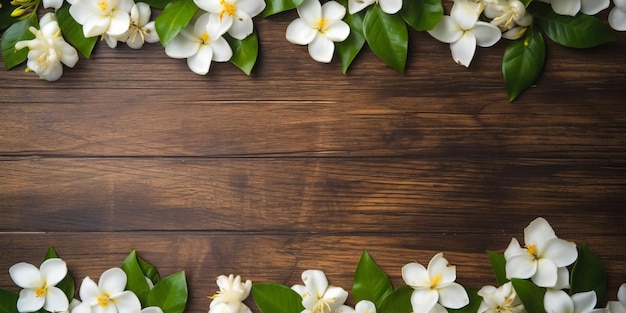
(398, 301)
(523, 62)
(498, 263)
(474, 302)
(73, 32)
(422, 14)
(17, 32)
(580, 31)
(174, 18)
(588, 274)
(8, 301)
(67, 283)
(245, 51)
(148, 270)
(530, 294)
(136, 279)
(275, 298)
(370, 281)
(387, 36)
(277, 6)
(157, 4)
(170, 294)
(348, 49)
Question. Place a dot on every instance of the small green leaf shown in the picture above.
(277, 6)
(387, 36)
(67, 283)
(474, 302)
(149, 270)
(580, 31)
(348, 49)
(174, 18)
(422, 14)
(157, 4)
(498, 263)
(245, 51)
(170, 294)
(370, 281)
(8, 301)
(523, 62)
(136, 281)
(588, 274)
(530, 294)
(73, 32)
(398, 301)
(275, 298)
(17, 32)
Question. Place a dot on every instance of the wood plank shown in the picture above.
(310, 195)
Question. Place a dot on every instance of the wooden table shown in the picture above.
(299, 167)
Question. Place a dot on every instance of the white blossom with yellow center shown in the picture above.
(500, 300)
(235, 14)
(39, 285)
(318, 296)
(108, 295)
(102, 17)
(230, 297)
(558, 301)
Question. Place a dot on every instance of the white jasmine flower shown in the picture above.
(463, 31)
(141, 29)
(617, 16)
(572, 7)
(318, 296)
(102, 17)
(558, 301)
(542, 255)
(434, 286)
(500, 300)
(229, 299)
(236, 14)
(108, 295)
(200, 43)
(319, 27)
(39, 285)
(365, 306)
(510, 16)
(387, 6)
(48, 50)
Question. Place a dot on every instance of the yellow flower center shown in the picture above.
(205, 38)
(321, 24)
(323, 306)
(531, 249)
(102, 4)
(103, 300)
(435, 281)
(40, 291)
(227, 8)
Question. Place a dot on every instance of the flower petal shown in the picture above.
(453, 296)
(56, 300)
(584, 301)
(300, 33)
(621, 294)
(620, 4)
(440, 271)
(213, 6)
(89, 292)
(337, 31)
(335, 294)
(251, 7)
(120, 22)
(463, 49)
(562, 281)
(423, 300)
(180, 47)
(539, 231)
(200, 63)
(521, 266)
(513, 249)
(28, 301)
(486, 34)
(390, 6)
(53, 271)
(465, 13)
(221, 52)
(561, 252)
(546, 275)
(113, 281)
(415, 275)
(566, 7)
(617, 19)
(446, 30)
(151, 309)
(310, 11)
(557, 301)
(83, 307)
(52, 4)
(355, 6)
(593, 7)
(25, 275)
(242, 27)
(95, 26)
(615, 307)
(333, 11)
(315, 281)
(127, 302)
(365, 306)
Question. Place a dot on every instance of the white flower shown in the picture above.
(365, 306)
(617, 16)
(463, 31)
(558, 301)
(500, 300)
(229, 299)
(39, 285)
(319, 27)
(434, 286)
(141, 29)
(108, 296)
(542, 256)
(102, 17)
(318, 296)
(388, 6)
(55, 4)
(510, 16)
(235, 14)
(200, 43)
(572, 7)
(48, 49)
(618, 306)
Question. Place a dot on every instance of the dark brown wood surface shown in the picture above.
(299, 166)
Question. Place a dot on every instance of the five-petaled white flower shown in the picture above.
(102, 17)
(434, 286)
(617, 16)
(387, 6)
(141, 29)
(318, 296)
(462, 30)
(500, 300)
(39, 285)
(108, 295)
(229, 299)
(319, 27)
(48, 49)
(235, 14)
(200, 43)
(542, 257)
(558, 301)
(572, 7)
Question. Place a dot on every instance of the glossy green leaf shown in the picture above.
(6, 19)
(348, 49)
(580, 31)
(370, 281)
(530, 294)
(588, 274)
(157, 4)
(136, 280)
(523, 62)
(170, 294)
(17, 32)
(498, 264)
(422, 14)
(8, 301)
(174, 18)
(67, 283)
(398, 301)
(73, 32)
(474, 302)
(387, 36)
(277, 6)
(275, 298)
(148, 270)
(245, 51)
